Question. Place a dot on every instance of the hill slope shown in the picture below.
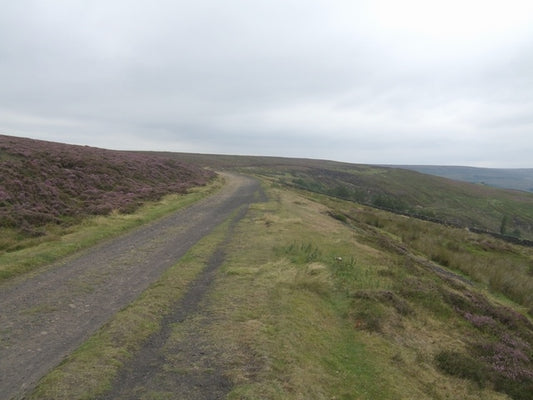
(44, 182)
(515, 178)
(462, 204)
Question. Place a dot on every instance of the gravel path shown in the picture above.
(190, 368)
(45, 317)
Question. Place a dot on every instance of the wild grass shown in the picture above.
(427, 197)
(30, 254)
(498, 352)
(321, 315)
(502, 267)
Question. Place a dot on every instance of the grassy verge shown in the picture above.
(427, 197)
(62, 241)
(90, 370)
(310, 307)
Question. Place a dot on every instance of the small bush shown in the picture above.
(387, 297)
(338, 216)
(441, 258)
(302, 253)
(370, 318)
(462, 366)
(516, 390)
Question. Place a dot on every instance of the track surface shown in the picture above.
(188, 367)
(45, 317)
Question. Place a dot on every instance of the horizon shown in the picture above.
(368, 82)
(386, 165)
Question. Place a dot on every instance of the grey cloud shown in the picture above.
(311, 79)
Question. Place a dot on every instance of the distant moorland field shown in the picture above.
(508, 213)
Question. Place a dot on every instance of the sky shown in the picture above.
(363, 81)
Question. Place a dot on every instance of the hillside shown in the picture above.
(512, 178)
(50, 183)
(478, 207)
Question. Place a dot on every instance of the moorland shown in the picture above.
(513, 178)
(346, 281)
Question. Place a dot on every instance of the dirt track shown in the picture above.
(44, 318)
(190, 368)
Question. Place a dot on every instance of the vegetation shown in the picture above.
(519, 179)
(474, 206)
(28, 253)
(423, 196)
(46, 183)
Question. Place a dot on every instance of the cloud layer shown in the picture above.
(378, 81)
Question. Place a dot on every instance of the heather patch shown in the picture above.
(51, 183)
(500, 355)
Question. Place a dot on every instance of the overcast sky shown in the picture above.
(372, 81)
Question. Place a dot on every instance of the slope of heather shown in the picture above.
(45, 182)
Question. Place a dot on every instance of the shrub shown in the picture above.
(370, 317)
(302, 253)
(388, 297)
(338, 216)
(462, 366)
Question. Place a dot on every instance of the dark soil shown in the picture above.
(45, 317)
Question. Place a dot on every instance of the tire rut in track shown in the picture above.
(185, 369)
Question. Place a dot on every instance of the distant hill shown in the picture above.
(518, 179)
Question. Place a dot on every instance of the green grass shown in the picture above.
(320, 327)
(401, 190)
(502, 267)
(401, 310)
(61, 241)
(430, 197)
